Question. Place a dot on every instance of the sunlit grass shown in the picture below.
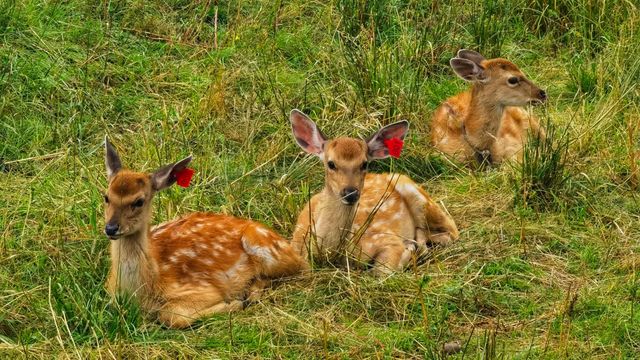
(520, 283)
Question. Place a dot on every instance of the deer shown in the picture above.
(189, 268)
(377, 220)
(486, 123)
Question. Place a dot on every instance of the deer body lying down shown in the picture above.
(378, 219)
(188, 268)
(486, 123)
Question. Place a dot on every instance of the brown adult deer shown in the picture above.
(185, 269)
(486, 122)
(378, 219)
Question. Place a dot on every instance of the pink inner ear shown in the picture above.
(379, 153)
(303, 131)
(394, 132)
(465, 68)
(306, 135)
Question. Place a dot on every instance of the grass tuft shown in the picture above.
(543, 175)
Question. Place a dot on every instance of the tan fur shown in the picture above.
(392, 218)
(192, 267)
(491, 116)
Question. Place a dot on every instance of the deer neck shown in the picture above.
(334, 221)
(132, 267)
(483, 118)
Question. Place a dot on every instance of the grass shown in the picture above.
(542, 175)
(520, 283)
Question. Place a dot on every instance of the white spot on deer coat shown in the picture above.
(261, 252)
(186, 252)
(233, 272)
(202, 246)
(409, 189)
(217, 247)
(387, 204)
(262, 231)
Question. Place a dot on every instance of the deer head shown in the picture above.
(345, 159)
(129, 194)
(499, 79)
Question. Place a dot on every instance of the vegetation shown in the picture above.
(217, 79)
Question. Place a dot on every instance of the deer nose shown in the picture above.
(542, 95)
(111, 229)
(350, 195)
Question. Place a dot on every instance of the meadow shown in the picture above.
(548, 261)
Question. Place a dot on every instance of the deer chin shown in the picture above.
(345, 202)
(122, 234)
(536, 102)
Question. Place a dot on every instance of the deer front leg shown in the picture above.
(255, 290)
(182, 314)
(484, 158)
(432, 223)
(391, 258)
(440, 227)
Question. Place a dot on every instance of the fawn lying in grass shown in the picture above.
(378, 219)
(188, 268)
(485, 123)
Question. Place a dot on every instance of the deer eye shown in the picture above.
(138, 203)
(513, 80)
(331, 165)
(364, 165)
(106, 199)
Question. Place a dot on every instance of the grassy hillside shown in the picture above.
(553, 274)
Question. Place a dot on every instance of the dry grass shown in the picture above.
(559, 283)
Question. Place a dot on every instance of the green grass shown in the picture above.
(520, 283)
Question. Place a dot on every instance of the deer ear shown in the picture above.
(375, 144)
(165, 176)
(307, 134)
(471, 55)
(111, 159)
(468, 70)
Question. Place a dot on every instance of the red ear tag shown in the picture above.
(183, 177)
(394, 145)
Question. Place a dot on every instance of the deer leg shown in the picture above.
(273, 256)
(484, 158)
(411, 247)
(183, 314)
(255, 291)
(433, 224)
(421, 238)
(391, 258)
(440, 227)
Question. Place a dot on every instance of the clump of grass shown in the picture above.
(581, 24)
(543, 174)
(389, 51)
(489, 28)
(584, 77)
(632, 129)
(6, 15)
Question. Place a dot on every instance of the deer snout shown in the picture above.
(538, 97)
(542, 95)
(111, 230)
(350, 195)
